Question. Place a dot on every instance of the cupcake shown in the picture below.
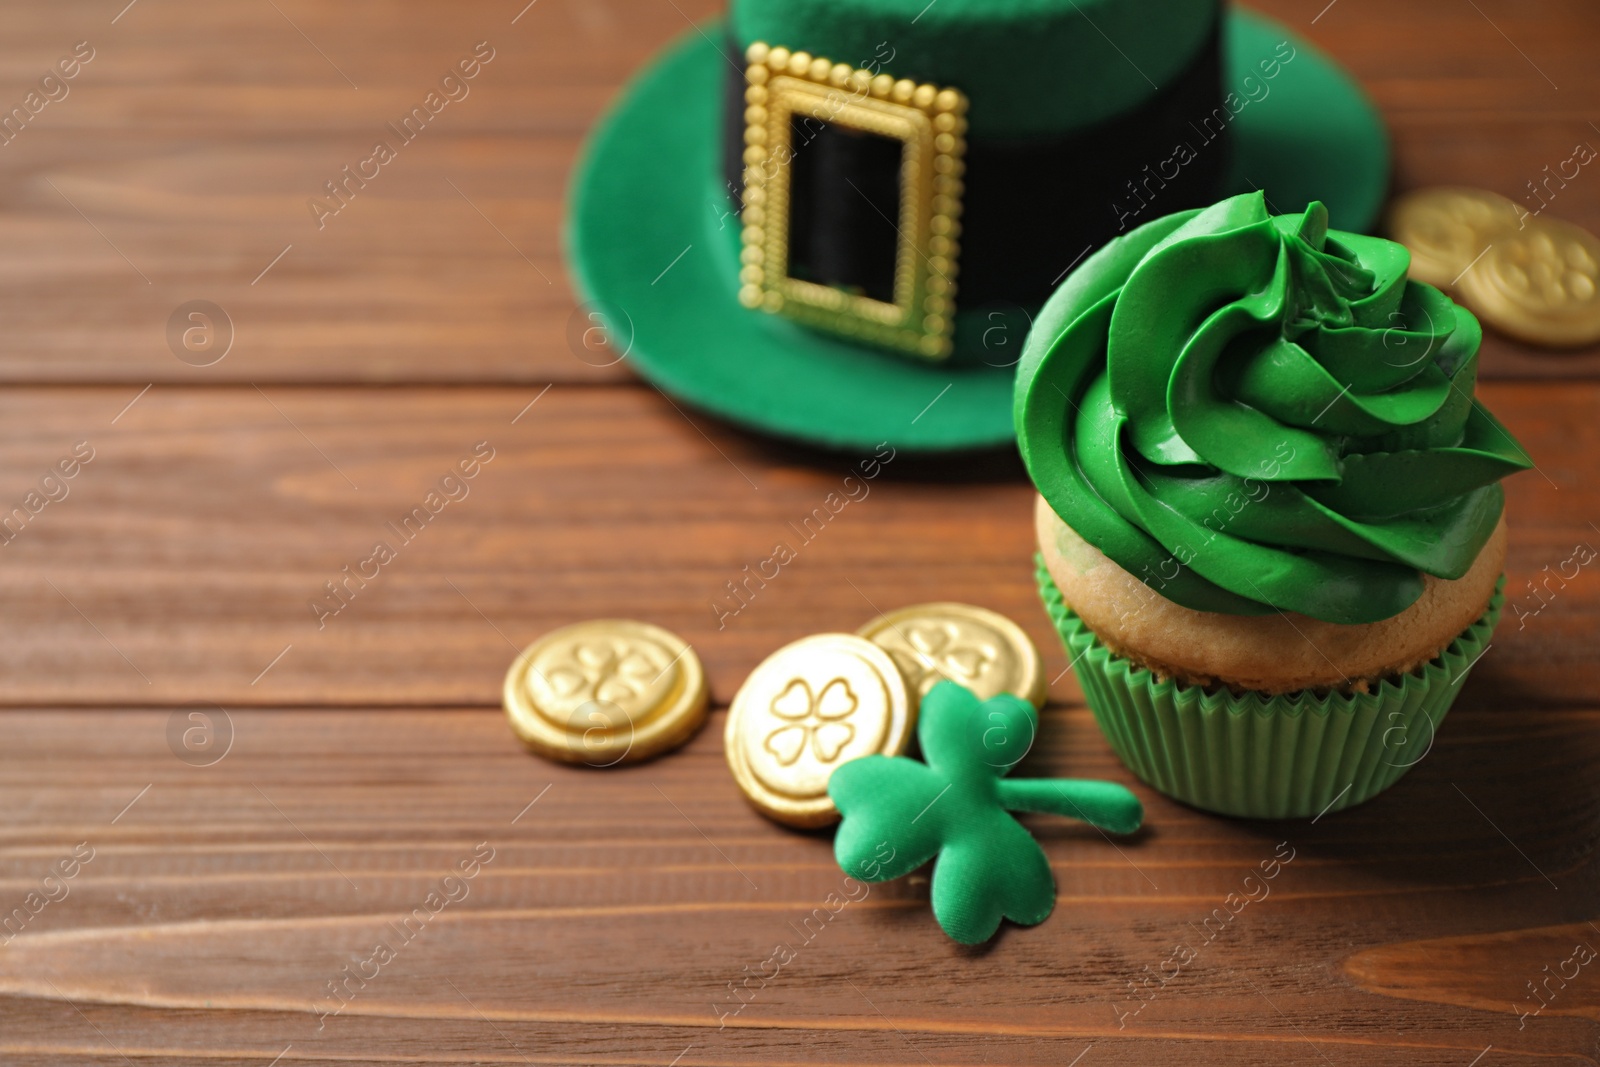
(1270, 521)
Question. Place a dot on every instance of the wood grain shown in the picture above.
(181, 163)
(1525, 973)
(190, 550)
(617, 908)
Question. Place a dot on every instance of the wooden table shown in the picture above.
(212, 901)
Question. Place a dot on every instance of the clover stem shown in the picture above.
(1103, 804)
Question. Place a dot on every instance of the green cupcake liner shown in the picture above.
(1259, 756)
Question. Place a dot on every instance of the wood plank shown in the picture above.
(608, 924)
(189, 551)
(1533, 971)
(169, 174)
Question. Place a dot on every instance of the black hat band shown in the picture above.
(842, 249)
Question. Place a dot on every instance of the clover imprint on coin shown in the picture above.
(1546, 271)
(817, 719)
(627, 672)
(1458, 226)
(928, 653)
(806, 710)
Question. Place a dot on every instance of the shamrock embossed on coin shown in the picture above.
(618, 671)
(971, 646)
(808, 708)
(1541, 285)
(943, 650)
(605, 692)
(814, 717)
(1447, 229)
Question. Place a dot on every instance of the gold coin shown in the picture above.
(604, 692)
(975, 647)
(1445, 229)
(808, 708)
(1541, 284)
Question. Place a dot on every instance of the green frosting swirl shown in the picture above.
(1255, 413)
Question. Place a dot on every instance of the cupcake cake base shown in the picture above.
(1287, 756)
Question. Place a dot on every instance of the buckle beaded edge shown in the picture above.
(930, 123)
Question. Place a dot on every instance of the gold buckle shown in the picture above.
(930, 122)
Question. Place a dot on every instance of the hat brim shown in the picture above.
(654, 249)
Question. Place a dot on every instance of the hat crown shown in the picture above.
(1031, 68)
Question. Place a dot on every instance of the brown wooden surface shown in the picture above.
(368, 756)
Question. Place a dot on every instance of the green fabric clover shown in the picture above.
(900, 813)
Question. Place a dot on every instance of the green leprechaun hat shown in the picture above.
(833, 220)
